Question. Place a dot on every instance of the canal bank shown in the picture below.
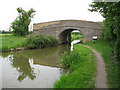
(110, 80)
(17, 43)
(82, 73)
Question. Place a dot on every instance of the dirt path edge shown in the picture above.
(100, 79)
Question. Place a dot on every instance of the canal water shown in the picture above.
(38, 68)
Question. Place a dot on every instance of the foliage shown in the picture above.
(21, 23)
(69, 59)
(5, 49)
(5, 32)
(41, 41)
(76, 36)
(75, 33)
(111, 12)
(82, 69)
(10, 41)
(111, 65)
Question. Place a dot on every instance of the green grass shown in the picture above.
(111, 65)
(10, 41)
(82, 71)
(5, 34)
(76, 37)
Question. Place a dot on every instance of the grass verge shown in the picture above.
(10, 41)
(82, 71)
(111, 65)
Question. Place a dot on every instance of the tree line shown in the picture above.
(111, 25)
(5, 32)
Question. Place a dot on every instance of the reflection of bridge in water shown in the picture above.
(62, 29)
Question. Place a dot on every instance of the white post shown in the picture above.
(31, 26)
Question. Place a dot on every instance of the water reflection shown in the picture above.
(46, 56)
(23, 67)
(27, 68)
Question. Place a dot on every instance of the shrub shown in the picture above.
(5, 48)
(41, 41)
(69, 59)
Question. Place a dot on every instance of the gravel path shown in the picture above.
(101, 80)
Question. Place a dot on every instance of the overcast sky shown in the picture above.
(47, 10)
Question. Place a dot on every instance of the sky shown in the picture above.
(47, 10)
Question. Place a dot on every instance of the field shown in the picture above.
(10, 41)
(5, 34)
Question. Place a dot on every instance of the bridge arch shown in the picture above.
(61, 29)
(64, 36)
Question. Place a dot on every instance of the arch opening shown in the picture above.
(68, 35)
(76, 35)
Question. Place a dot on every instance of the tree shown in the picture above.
(111, 12)
(21, 23)
(0, 32)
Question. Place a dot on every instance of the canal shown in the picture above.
(37, 68)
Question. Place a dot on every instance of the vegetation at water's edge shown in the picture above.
(111, 65)
(10, 41)
(82, 66)
(68, 60)
(41, 41)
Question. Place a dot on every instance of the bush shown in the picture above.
(69, 59)
(5, 48)
(41, 41)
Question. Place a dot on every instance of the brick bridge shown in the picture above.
(62, 29)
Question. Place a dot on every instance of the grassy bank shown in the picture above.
(111, 65)
(10, 41)
(82, 71)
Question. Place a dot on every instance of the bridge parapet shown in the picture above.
(55, 28)
(67, 23)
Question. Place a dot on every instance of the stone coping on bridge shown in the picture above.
(67, 20)
(67, 23)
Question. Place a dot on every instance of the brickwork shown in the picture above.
(61, 29)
